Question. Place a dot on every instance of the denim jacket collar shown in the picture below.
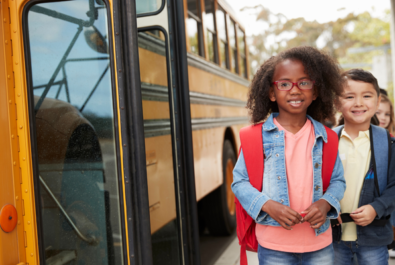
(319, 129)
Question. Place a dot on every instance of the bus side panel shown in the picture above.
(12, 247)
(208, 143)
(208, 83)
(207, 154)
(8, 241)
(215, 111)
(160, 181)
(235, 131)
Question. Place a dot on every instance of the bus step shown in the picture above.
(62, 258)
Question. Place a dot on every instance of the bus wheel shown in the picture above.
(219, 206)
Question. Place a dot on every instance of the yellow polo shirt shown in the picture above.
(355, 157)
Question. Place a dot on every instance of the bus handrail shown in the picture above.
(90, 240)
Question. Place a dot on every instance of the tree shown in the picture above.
(336, 37)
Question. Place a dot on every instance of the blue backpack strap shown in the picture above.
(381, 150)
(338, 130)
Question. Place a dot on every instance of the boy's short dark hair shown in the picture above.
(363, 76)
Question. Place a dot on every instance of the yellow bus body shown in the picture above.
(17, 188)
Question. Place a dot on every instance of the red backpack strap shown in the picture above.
(329, 156)
(252, 145)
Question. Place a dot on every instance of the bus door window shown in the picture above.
(233, 47)
(194, 28)
(72, 106)
(148, 6)
(223, 40)
(242, 52)
(211, 35)
(159, 148)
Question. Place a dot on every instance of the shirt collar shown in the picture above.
(361, 134)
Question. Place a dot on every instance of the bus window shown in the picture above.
(223, 42)
(194, 27)
(156, 33)
(147, 6)
(72, 105)
(233, 47)
(242, 52)
(158, 147)
(211, 34)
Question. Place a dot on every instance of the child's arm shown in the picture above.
(328, 206)
(253, 201)
(381, 206)
(364, 215)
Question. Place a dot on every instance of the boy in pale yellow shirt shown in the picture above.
(364, 150)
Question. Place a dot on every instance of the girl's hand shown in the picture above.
(339, 219)
(364, 215)
(316, 213)
(284, 215)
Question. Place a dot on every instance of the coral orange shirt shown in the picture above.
(299, 169)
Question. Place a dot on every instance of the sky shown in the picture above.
(322, 11)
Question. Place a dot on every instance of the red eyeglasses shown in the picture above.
(288, 85)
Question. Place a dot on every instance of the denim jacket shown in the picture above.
(275, 186)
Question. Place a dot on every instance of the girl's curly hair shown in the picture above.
(319, 66)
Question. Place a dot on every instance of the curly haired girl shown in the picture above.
(319, 66)
(293, 92)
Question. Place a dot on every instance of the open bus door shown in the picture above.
(89, 189)
(81, 151)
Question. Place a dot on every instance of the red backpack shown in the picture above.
(252, 143)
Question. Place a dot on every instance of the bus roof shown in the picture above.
(228, 8)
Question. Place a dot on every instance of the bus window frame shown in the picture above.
(180, 213)
(128, 238)
(240, 57)
(179, 67)
(227, 59)
(177, 59)
(229, 18)
(147, 14)
(131, 109)
(199, 21)
(32, 132)
(237, 67)
(214, 33)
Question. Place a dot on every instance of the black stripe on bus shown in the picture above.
(154, 128)
(161, 93)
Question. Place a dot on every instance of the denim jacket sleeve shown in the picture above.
(336, 189)
(385, 204)
(250, 198)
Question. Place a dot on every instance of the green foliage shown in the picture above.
(371, 31)
(390, 91)
(336, 37)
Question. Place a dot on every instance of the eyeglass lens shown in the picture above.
(287, 85)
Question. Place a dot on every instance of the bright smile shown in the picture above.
(295, 103)
(359, 112)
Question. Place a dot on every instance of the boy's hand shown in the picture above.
(284, 215)
(316, 213)
(364, 215)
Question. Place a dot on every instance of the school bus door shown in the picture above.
(79, 177)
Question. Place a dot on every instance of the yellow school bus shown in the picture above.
(120, 124)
